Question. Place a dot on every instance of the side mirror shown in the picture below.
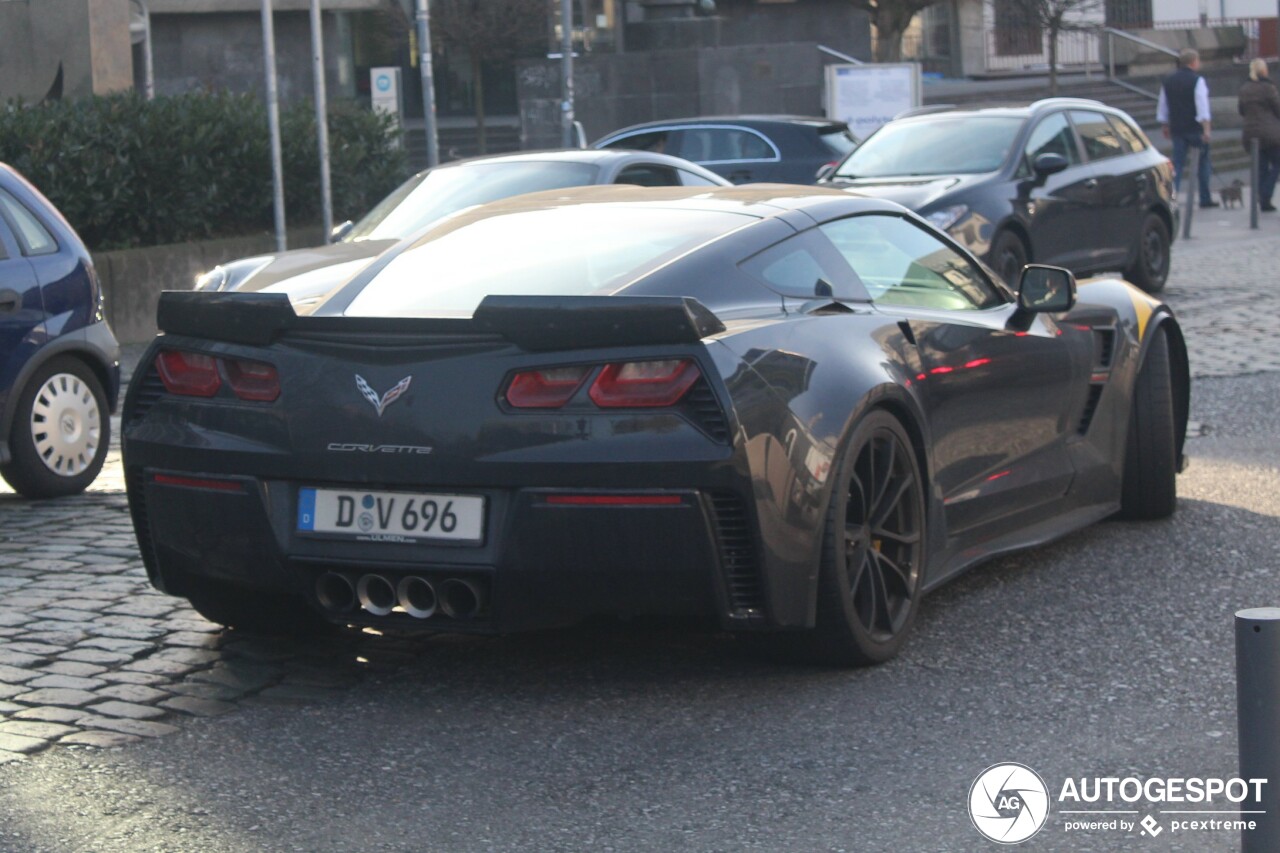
(340, 231)
(1049, 164)
(827, 170)
(1046, 290)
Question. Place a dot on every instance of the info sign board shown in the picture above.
(867, 96)
(385, 91)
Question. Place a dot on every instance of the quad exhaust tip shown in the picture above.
(461, 599)
(417, 597)
(414, 595)
(376, 594)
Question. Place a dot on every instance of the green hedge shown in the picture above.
(130, 172)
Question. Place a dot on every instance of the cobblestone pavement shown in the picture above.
(91, 656)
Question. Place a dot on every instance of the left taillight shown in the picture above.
(252, 380)
(188, 373)
(197, 375)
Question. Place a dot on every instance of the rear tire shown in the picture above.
(872, 550)
(1150, 488)
(255, 611)
(1150, 268)
(60, 433)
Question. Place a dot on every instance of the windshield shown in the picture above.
(561, 251)
(426, 197)
(942, 146)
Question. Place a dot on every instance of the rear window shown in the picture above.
(838, 140)
(561, 251)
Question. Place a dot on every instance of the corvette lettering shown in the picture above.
(412, 449)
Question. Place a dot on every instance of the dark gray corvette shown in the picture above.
(780, 407)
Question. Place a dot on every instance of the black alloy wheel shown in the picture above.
(1150, 267)
(873, 554)
(1008, 257)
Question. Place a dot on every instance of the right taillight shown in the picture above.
(252, 380)
(643, 384)
(188, 373)
(545, 389)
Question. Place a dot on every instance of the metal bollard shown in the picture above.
(1254, 153)
(1258, 718)
(1189, 171)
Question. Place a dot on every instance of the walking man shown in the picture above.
(1183, 113)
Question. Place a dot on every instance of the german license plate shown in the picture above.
(391, 516)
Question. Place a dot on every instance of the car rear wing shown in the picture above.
(530, 322)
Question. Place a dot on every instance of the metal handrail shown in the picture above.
(1112, 31)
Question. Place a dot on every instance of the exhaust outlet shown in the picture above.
(417, 597)
(461, 599)
(376, 594)
(335, 592)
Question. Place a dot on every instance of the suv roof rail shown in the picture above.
(1044, 103)
(924, 111)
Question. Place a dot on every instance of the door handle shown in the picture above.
(9, 300)
(1091, 184)
(1142, 180)
(740, 177)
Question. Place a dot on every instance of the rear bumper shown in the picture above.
(541, 564)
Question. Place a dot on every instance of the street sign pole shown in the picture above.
(566, 73)
(428, 83)
(273, 121)
(322, 118)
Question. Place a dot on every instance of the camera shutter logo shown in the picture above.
(1008, 803)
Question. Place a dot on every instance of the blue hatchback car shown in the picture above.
(59, 362)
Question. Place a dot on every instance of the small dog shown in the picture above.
(1232, 195)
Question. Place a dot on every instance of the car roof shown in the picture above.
(1010, 110)
(761, 201)
(591, 156)
(748, 120)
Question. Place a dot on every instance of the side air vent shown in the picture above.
(150, 389)
(1104, 342)
(138, 510)
(738, 557)
(1090, 406)
(703, 409)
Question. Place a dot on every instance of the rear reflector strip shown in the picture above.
(614, 500)
(197, 483)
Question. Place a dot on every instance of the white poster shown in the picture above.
(867, 96)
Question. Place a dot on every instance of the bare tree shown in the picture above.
(1052, 18)
(487, 31)
(891, 19)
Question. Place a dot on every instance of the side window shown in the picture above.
(900, 263)
(689, 179)
(1051, 136)
(1132, 137)
(33, 236)
(657, 140)
(799, 265)
(1100, 138)
(735, 144)
(648, 175)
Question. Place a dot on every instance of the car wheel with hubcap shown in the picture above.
(873, 548)
(60, 431)
(1150, 488)
(1150, 268)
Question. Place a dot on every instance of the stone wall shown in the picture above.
(132, 279)
(87, 39)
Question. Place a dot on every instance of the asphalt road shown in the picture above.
(1108, 653)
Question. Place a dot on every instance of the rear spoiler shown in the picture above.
(530, 322)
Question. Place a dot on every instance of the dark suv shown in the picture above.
(1063, 181)
(744, 149)
(59, 362)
